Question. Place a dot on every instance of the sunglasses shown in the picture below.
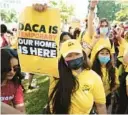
(15, 69)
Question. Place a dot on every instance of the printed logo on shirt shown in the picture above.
(70, 44)
(85, 88)
(6, 98)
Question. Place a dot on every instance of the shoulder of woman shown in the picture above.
(92, 74)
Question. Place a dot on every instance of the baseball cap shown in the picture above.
(70, 46)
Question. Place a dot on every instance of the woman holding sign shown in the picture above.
(11, 88)
(78, 87)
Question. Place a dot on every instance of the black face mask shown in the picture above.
(76, 63)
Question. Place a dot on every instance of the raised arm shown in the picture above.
(93, 4)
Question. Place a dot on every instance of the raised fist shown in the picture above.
(40, 7)
(93, 3)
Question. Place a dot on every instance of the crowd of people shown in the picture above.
(92, 66)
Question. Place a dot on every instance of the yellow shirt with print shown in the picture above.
(90, 90)
(106, 81)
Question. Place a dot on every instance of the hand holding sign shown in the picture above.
(40, 7)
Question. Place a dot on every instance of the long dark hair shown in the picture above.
(76, 33)
(109, 67)
(65, 87)
(6, 56)
(63, 34)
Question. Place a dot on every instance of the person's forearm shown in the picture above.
(20, 107)
(115, 88)
(6, 109)
(87, 48)
(87, 51)
(90, 22)
(101, 109)
(120, 40)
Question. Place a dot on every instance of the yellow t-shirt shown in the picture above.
(106, 81)
(14, 46)
(86, 38)
(14, 42)
(122, 46)
(90, 90)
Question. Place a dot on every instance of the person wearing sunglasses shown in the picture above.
(11, 87)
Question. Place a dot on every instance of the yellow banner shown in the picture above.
(38, 41)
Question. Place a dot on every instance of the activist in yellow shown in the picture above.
(102, 65)
(78, 87)
(102, 31)
(63, 37)
(123, 44)
(123, 48)
(53, 80)
(123, 89)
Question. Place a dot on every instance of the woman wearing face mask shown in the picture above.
(78, 86)
(11, 88)
(53, 80)
(102, 65)
(103, 28)
(102, 31)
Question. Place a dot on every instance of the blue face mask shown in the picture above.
(104, 59)
(76, 63)
(104, 30)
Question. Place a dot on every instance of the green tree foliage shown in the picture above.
(66, 10)
(108, 9)
(122, 15)
(8, 16)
